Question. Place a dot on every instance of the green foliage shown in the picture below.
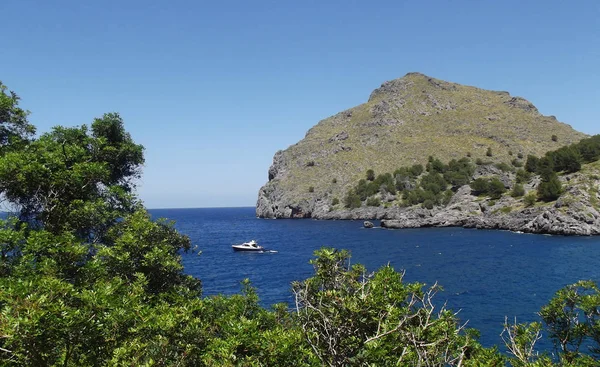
(517, 191)
(504, 167)
(73, 179)
(352, 318)
(550, 188)
(573, 320)
(15, 129)
(352, 200)
(530, 199)
(334, 181)
(311, 189)
(520, 155)
(496, 188)
(370, 175)
(373, 201)
(480, 186)
(335, 201)
(523, 176)
(489, 152)
(517, 163)
(479, 162)
(458, 173)
(554, 138)
(428, 204)
(532, 163)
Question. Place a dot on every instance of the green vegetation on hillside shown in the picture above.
(88, 279)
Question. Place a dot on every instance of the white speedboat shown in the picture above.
(248, 246)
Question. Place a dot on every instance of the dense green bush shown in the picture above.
(311, 189)
(489, 152)
(517, 191)
(523, 176)
(550, 188)
(496, 188)
(530, 199)
(335, 201)
(352, 200)
(373, 201)
(370, 175)
(480, 186)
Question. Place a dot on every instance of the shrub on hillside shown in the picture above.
(517, 191)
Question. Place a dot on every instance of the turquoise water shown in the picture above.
(487, 275)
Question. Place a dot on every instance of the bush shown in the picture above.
(531, 163)
(352, 200)
(523, 176)
(370, 175)
(504, 167)
(480, 186)
(479, 161)
(510, 152)
(373, 201)
(554, 138)
(310, 164)
(517, 163)
(551, 189)
(520, 155)
(489, 152)
(517, 191)
(335, 201)
(530, 199)
(334, 180)
(496, 188)
(311, 189)
(428, 204)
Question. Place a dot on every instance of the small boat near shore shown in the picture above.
(248, 246)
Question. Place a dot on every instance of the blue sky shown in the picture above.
(214, 89)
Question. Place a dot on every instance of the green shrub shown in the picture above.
(370, 175)
(479, 161)
(428, 204)
(480, 186)
(334, 180)
(517, 191)
(550, 189)
(531, 163)
(310, 164)
(523, 176)
(554, 138)
(530, 199)
(335, 201)
(496, 188)
(311, 189)
(352, 200)
(510, 152)
(504, 167)
(520, 155)
(517, 163)
(489, 152)
(373, 201)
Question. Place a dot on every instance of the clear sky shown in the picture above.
(213, 89)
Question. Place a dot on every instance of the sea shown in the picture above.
(486, 275)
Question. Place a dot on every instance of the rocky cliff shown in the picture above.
(404, 122)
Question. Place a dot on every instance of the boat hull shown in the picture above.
(247, 249)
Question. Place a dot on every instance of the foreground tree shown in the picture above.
(350, 317)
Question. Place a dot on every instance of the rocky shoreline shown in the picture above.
(563, 217)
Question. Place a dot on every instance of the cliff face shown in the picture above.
(404, 122)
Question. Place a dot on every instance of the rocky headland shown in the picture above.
(409, 119)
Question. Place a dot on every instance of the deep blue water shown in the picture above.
(487, 275)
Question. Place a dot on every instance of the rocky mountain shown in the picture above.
(403, 123)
